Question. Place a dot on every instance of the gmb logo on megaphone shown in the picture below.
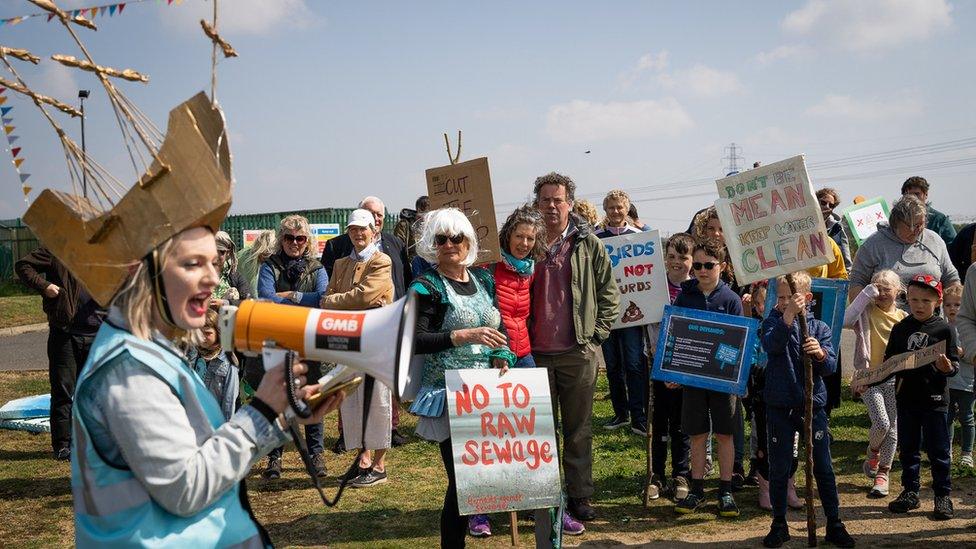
(376, 342)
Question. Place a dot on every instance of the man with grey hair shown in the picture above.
(341, 246)
(575, 301)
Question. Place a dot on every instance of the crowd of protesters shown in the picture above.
(550, 302)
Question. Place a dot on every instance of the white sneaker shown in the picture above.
(966, 460)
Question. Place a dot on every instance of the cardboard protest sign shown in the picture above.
(638, 267)
(250, 235)
(705, 350)
(863, 218)
(467, 187)
(503, 439)
(828, 305)
(322, 233)
(898, 363)
(771, 221)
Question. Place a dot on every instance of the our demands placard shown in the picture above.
(772, 222)
(706, 350)
(467, 187)
(503, 439)
(638, 268)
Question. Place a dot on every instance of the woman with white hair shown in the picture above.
(362, 280)
(457, 318)
(232, 287)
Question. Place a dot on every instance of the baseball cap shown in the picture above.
(360, 218)
(927, 281)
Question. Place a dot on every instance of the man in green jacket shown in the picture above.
(574, 303)
(936, 221)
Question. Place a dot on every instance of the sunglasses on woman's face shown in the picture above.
(442, 239)
(708, 265)
(828, 204)
(299, 239)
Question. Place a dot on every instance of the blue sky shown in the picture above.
(329, 102)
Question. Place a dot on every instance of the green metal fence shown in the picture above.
(16, 241)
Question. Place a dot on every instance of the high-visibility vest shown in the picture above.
(112, 508)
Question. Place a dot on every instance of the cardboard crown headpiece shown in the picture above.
(188, 185)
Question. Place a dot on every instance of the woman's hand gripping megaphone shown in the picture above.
(273, 391)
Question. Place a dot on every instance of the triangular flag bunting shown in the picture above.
(101, 10)
(49, 17)
(8, 129)
(12, 138)
(27, 190)
(18, 162)
(3, 22)
(3, 99)
(111, 10)
(75, 13)
(7, 120)
(24, 177)
(5, 110)
(2, 90)
(16, 20)
(15, 151)
(121, 7)
(170, 2)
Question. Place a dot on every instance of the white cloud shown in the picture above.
(581, 121)
(703, 81)
(875, 109)
(786, 51)
(868, 25)
(254, 17)
(649, 62)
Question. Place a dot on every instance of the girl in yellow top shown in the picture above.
(872, 314)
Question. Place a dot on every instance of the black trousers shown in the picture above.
(66, 354)
(665, 429)
(454, 527)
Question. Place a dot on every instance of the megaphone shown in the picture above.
(377, 342)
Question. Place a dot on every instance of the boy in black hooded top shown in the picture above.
(922, 397)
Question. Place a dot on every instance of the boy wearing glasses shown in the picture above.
(785, 399)
(703, 410)
(922, 397)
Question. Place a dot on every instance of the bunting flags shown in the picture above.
(8, 130)
(89, 13)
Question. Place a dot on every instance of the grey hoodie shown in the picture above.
(883, 250)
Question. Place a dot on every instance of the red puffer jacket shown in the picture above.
(515, 304)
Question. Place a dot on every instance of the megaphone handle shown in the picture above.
(298, 406)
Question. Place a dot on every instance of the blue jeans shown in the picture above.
(627, 373)
(781, 425)
(912, 424)
(961, 407)
(525, 362)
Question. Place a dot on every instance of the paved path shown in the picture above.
(26, 351)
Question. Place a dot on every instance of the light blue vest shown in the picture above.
(112, 508)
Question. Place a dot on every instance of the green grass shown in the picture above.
(21, 310)
(14, 287)
(35, 498)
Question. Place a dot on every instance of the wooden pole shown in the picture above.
(648, 439)
(513, 522)
(807, 423)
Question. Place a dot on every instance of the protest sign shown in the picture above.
(250, 235)
(705, 350)
(771, 221)
(828, 305)
(638, 267)
(322, 233)
(503, 440)
(898, 363)
(863, 218)
(467, 187)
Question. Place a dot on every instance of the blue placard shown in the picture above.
(829, 304)
(705, 350)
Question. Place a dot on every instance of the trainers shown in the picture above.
(654, 487)
(966, 460)
(680, 488)
(616, 423)
(639, 428)
(870, 466)
(752, 479)
(397, 440)
(581, 508)
(273, 470)
(943, 508)
(738, 481)
(880, 488)
(571, 526)
(371, 477)
(318, 463)
(339, 447)
(354, 472)
(727, 507)
(478, 526)
(838, 536)
(905, 502)
(63, 454)
(779, 533)
(689, 504)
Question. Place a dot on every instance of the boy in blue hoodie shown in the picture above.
(703, 410)
(785, 405)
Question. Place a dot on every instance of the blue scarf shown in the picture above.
(523, 267)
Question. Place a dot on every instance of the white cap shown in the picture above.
(360, 218)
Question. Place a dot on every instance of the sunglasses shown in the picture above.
(442, 239)
(708, 265)
(828, 204)
(300, 239)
